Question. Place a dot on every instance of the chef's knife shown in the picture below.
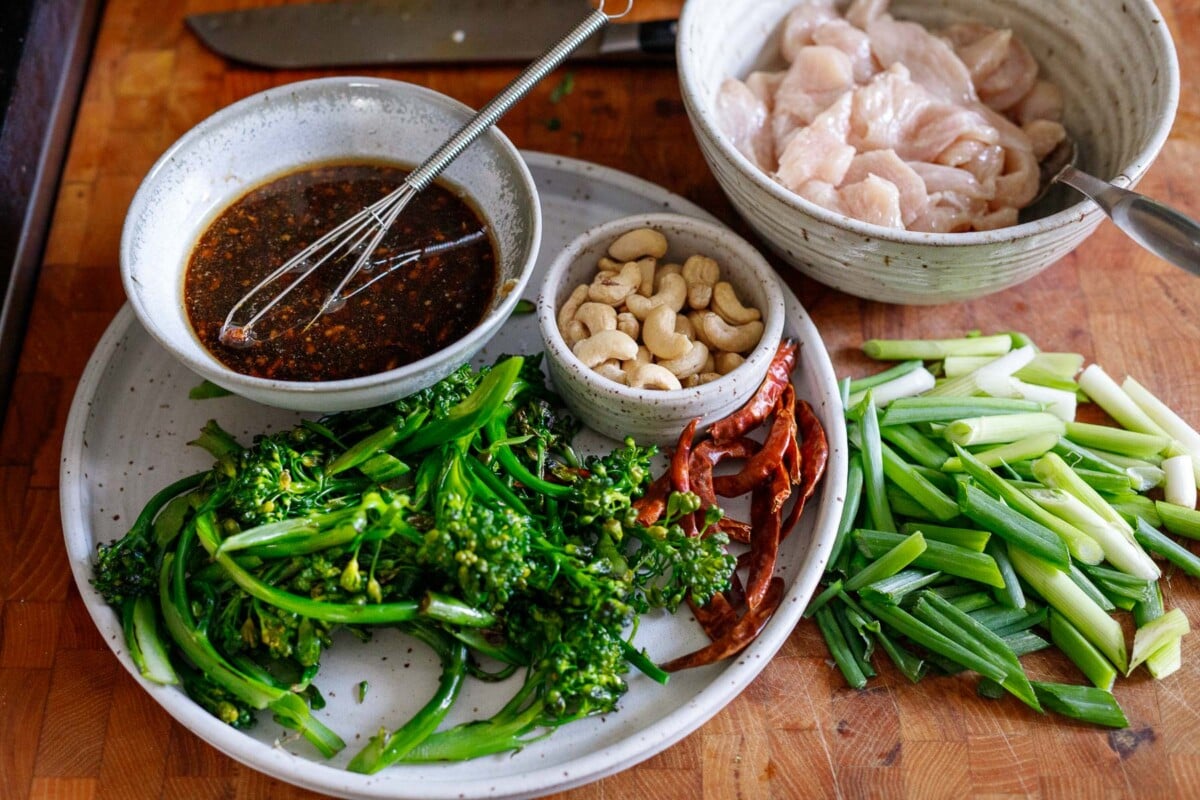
(365, 32)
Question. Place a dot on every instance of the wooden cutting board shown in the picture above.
(74, 725)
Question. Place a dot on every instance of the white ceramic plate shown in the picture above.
(126, 437)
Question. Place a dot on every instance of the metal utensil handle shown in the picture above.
(487, 116)
(1158, 228)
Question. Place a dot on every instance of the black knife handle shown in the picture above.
(658, 38)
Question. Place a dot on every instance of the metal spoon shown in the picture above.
(1161, 230)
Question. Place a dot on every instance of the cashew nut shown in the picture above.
(688, 364)
(648, 267)
(726, 303)
(574, 332)
(727, 362)
(734, 338)
(597, 317)
(637, 243)
(658, 332)
(708, 377)
(672, 294)
(684, 325)
(606, 264)
(696, 318)
(701, 273)
(605, 345)
(613, 290)
(652, 376)
(644, 355)
(628, 323)
(663, 271)
(574, 301)
(611, 369)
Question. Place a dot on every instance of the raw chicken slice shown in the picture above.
(893, 112)
(889, 166)
(822, 193)
(1044, 135)
(930, 60)
(818, 76)
(743, 118)
(801, 22)
(1001, 66)
(874, 200)
(853, 42)
(942, 180)
(819, 151)
(765, 85)
(862, 13)
(1043, 101)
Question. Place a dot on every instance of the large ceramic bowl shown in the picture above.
(649, 415)
(1114, 61)
(280, 130)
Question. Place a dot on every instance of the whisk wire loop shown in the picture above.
(361, 234)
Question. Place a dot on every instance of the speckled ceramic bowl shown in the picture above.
(1114, 61)
(280, 130)
(653, 416)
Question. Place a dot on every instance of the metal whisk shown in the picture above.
(360, 235)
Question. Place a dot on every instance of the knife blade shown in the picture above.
(350, 33)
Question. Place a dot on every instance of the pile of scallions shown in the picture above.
(984, 522)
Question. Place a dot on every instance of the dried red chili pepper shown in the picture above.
(653, 504)
(716, 617)
(737, 637)
(814, 454)
(762, 464)
(705, 456)
(759, 407)
(765, 537)
(680, 475)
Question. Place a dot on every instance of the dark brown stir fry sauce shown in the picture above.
(411, 312)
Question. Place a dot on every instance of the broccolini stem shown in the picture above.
(385, 749)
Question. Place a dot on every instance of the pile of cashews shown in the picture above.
(630, 324)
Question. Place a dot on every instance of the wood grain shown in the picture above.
(75, 725)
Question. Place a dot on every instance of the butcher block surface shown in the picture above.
(74, 725)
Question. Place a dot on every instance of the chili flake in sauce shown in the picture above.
(413, 311)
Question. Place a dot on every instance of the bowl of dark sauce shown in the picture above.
(252, 185)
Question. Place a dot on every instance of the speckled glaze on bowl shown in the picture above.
(654, 416)
(283, 129)
(1115, 62)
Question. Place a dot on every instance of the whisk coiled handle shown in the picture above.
(487, 116)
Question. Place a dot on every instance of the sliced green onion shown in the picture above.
(839, 648)
(828, 593)
(912, 382)
(910, 410)
(1013, 527)
(1105, 392)
(861, 644)
(854, 487)
(916, 445)
(1179, 520)
(1117, 584)
(892, 590)
(879, 513)
(1083, 654)
(969, 538)
(935, 641)
(1155, 634)
(1080, 457)
(948, 558)
(943, 616)
(1004, 620)
(1058, 589)
(888, 564)
(1023, 449)
(1025, 642)
(1090, 589)
(860, 386)
(1002, 428)
(1083, 547)
(1011, 594)
(974, 601)
(1116, 440)
(1179, 481)
(1162, 416)
(1084, 703)
(1117, 548)
(936, 349)
(917, 486)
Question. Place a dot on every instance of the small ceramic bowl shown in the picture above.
(657, 416)
(280, 130)
(1114, 62)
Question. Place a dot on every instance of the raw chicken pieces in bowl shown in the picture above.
(893, 150)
